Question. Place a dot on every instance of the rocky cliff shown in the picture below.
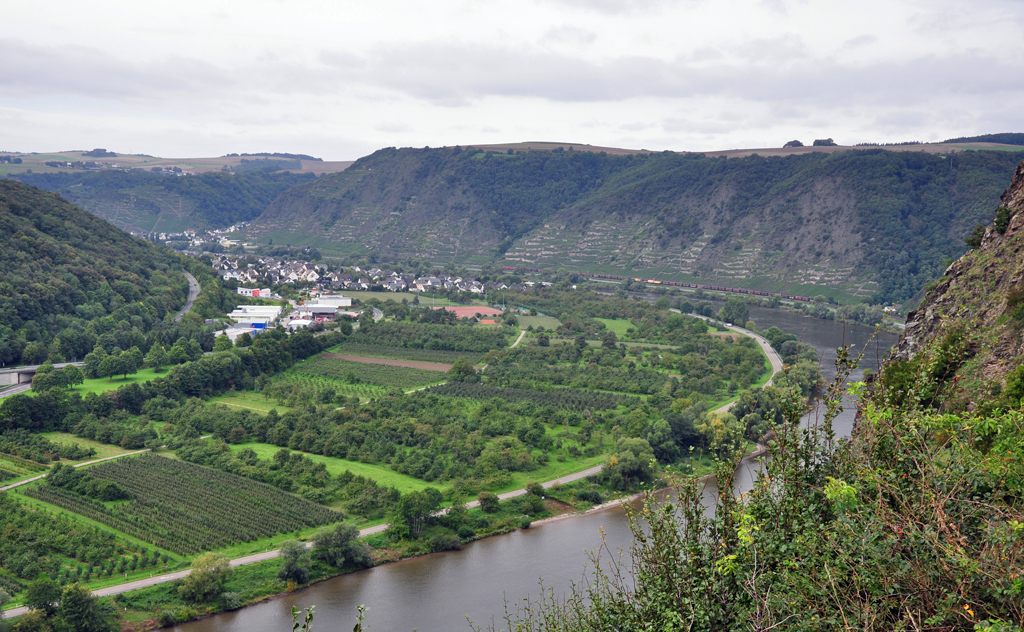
(969, 330)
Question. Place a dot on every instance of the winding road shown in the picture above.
(193, 294)
(773, 358)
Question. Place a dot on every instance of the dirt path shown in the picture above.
(522, 334)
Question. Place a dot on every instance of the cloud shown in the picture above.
(860, 41)
(568, 35)
(39, 70)
(614, 7)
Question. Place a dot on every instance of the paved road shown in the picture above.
(773, 357)
(269, 555)
(20, 388)
(193, 294)
(377, 314)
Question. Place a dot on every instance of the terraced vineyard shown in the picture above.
(402, 353)
(188, 508)
(343, 372)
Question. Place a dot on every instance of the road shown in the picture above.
(773, 357)
(269, 555)
(377, 315)
(193, 294)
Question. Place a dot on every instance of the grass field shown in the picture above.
(382, 475)
(102, 449)
(547, 322)
(346, 372)
(618, 325)
(248, 401)
(104, 384)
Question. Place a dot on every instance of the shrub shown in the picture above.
(589, 496)
(166, 618)
(465, 532)
(444, 542)
(524, 522)
(535, 488)
(1002, 220)
(488, 502)
(231, 600)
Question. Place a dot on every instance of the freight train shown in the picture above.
(696, 286)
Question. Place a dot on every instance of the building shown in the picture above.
(336, 300)
(258, 293)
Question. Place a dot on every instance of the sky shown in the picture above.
(339, 79)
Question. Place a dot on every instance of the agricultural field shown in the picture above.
(103, 450)
(549, 323)
(620, 326)
(356, 373)
(246, 400)
(567, 398)
(187, 508)
(403, 353)
(335, 466)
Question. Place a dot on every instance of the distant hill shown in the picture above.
(868, 223)
(145, 202)
(1008, 138)
(68, 277)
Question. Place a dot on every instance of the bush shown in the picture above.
(524, 522)
(231, 600)
(444, 542)
(535, 488)
(488, 502)
(465, 532)
(589, 496)
(166, 618)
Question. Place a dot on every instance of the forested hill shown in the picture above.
(140, 201)
(67, 277)
(864, 223)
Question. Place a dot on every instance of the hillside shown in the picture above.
(67, 276)
(143, 202)
(961, 349)
(869, 223)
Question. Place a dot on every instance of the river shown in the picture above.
(438, 592)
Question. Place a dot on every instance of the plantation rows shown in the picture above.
(402, 353)
(316, 382)
(359, 373)
(568, 398)
(5, 475)
(187, 508)
(431, 337)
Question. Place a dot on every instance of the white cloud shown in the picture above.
(342, 78)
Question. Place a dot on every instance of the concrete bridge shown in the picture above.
(24, 374)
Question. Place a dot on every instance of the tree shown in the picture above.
(463, 371)
(609, 340)
(177, 355)
(340, 545)
(156, 358)
(824, 142)
(488, 502)
(110, 366)
(632, 463)
(415, 508)
(209, 572)
(92, 362)
(4, 598)
(245, 340)
(134, 360)
(79, 611)
(295, 562)
(974, 239)
(543, 340)
(793, 143)
(735, 311)
(43, 594)
(71, 376)
(223, 343)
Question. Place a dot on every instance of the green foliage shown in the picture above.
(631, 464)
(65, 268)
(569, 398)
(1002, 221)
(295, 562)
(974, 239)
(215, 199)
(84, 483)
(340, 546)
(463, 371)
(186, 508)
(488, 502)
(206, 579)
(430, 336)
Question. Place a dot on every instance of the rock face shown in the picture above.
(972, 298)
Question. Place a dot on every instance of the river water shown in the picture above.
(443, 591)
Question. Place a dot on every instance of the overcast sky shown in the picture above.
(339, 79)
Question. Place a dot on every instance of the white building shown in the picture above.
(258, 293)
